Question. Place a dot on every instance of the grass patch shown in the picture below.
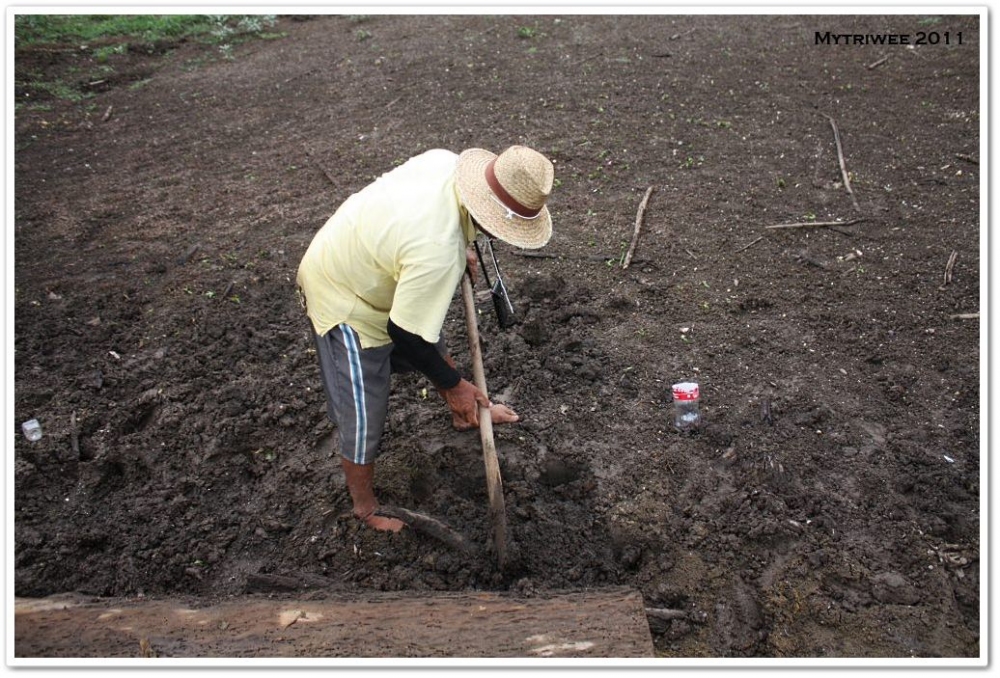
(105, 37)
(76, 29)
(30, 29)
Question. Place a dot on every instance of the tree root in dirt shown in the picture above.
(426, 525)
(666, 614)
(296, 581)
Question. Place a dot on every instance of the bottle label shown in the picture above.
(685, 391)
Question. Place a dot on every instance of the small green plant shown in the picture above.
(102, 54)
(526, 32)
(61, 90)
(691, 161)
(225, 27)
(227, 30)
(266, 455)
(362, 35)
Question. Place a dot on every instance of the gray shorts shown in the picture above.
(356, 382)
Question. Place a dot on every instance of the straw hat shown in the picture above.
(506, 193)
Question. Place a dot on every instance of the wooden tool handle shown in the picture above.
(494, 484)
(475, 350)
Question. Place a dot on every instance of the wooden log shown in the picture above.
(609, 623)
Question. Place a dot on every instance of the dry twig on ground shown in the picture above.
(949, 268)
(74, 435)
(320, 167)
(815, 224)
(638, 227)
(532, 254)
(881, 61)
(749, 244)
(843, 163)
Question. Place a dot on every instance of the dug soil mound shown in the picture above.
(828, 507)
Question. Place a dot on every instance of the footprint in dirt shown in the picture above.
(739, 623)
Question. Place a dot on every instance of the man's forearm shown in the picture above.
(424, 356)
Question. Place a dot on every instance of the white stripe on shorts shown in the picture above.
(358, 389)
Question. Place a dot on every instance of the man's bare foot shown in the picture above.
(381, 523)
(360, 482)
(503, 414)
(500, 414)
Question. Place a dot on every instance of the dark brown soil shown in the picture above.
(830, 506)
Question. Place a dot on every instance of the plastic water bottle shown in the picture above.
(32, 430)
(687, 415)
